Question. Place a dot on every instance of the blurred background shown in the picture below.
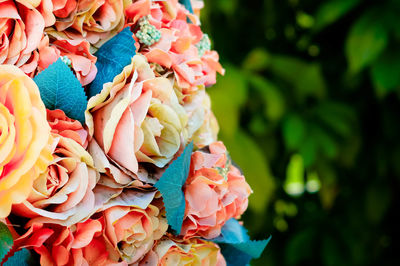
(309, 108)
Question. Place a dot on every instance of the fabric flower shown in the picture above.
(137, 118)
(202, 126)
(76, 52)
(79, 244)
(93, 20)
(64, 193)
(175, 253)
(132, 230)
(178, 49)
(215, 191)
(24, 137)
(21, 30)
(66, 127)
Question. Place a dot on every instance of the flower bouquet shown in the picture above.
(108, 145)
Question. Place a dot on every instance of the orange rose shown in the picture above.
(20, 33)
(215, 191)
(137, 118)
(69, 128)
(77, 52)
(132, 231)
(93, 20)
(180, 253)
(79, 244)
(24, 137)
(64, 193)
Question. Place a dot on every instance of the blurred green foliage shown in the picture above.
(309, 109)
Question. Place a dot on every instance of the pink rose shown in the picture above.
(79, 244)
(215, 191)
(69, 128)
(64, 193)
(77, 52)
(132, 230)
(93, 20)
(178, 49)
(172, 252)
(137, 118)
(20, 34)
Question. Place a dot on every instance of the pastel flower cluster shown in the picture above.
(84, 193)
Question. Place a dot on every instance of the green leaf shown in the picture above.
(294, 183)
(22, 257)
(273, 98)
(170, 186)
(385, 73)
(236, 245)
(60, 89)
(308, 151)
(246, 153)
(6, 240)
(112, 57)
(294, 131)
(230, 93)
(365, 42)
(258, 59)
(306, 78)
(331, 11)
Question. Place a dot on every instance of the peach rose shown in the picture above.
(215, 191)
(66, 127)
(79, 244)
(181, 47)
(64, 193)
(137, 118)
(132, 230)
(20, 33)
(93, 20)
(193, 252)
(77, 52)
(202, 126)
(24, 137)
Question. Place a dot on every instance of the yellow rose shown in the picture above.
(24, 137)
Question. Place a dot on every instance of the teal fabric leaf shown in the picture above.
(236, 245)
(112, 57)
(22, 257)
(187, 5)
(170, 186)
(6, 241)
(60, 89)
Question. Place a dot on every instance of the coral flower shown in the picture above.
(132, 231)
(76, 53)
(183, 47)
(215, 191)
(137, 118)
(79, 244)
(167, 252)
(66, 127)
(93, 20)
(24, 137)
(21, 29)
(64, 193)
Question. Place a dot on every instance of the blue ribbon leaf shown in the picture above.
(170, 185)
(22, 257)
(112, 57)
(6, 241)
(187, 4)
(236, 245)
(60, 89)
